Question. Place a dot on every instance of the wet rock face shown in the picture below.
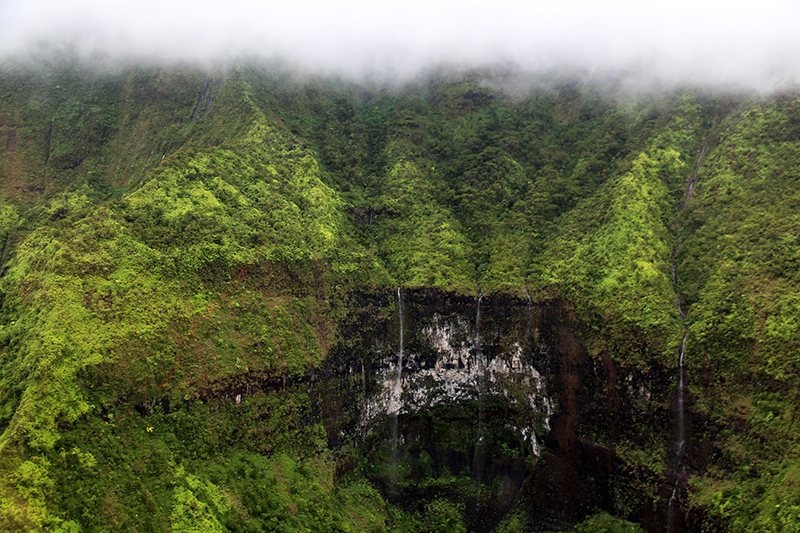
(457, 358)
(496, 404)
(471, 401)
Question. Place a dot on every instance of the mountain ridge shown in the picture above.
(150, 254)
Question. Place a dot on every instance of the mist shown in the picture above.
(742, 45)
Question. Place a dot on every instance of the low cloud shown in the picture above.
(733, 44)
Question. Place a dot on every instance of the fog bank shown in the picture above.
(741, 44)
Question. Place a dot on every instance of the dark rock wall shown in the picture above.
(512, 399)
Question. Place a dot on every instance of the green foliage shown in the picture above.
(423, 245)
(612, 256)
(144, 298)
(190, 513)
(443, 515)
(740, 277)
(515, 523)
(150, 257)
(605, 523)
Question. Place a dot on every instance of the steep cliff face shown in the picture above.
(201, 321)
(450, 359)
(471, 407)
(499, 406)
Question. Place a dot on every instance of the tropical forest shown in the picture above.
(246, 297)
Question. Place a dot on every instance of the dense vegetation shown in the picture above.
(170, 235)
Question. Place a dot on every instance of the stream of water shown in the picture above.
(394, 406)
(200, 99)
(398, 384)
(680, 449)
(477, 463)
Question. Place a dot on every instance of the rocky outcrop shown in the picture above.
(453, 362)
(505, 395)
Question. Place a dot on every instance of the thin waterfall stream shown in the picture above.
(398, 383)
(397, 391)
(529, 308)
(680, 449)
(477, 464)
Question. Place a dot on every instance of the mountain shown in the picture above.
(246, 298)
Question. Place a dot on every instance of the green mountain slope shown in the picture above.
(740, 259)
(198, 293)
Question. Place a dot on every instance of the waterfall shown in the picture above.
(209, 101)
(202, 96)
(398, 385)
(394, 406)
(529, 307)
(681, 422)
(478, 351)
(680, 449)
(5, 248)
(479, 366)
(693, 177)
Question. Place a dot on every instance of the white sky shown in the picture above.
(711, 41)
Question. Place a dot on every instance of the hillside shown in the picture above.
(252, 299)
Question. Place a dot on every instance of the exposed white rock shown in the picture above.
(458, 376)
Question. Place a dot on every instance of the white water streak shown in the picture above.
(681, 415)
